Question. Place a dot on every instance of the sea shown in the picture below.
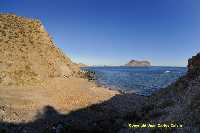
(139, 80)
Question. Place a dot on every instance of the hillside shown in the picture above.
(28, 54)
(180, 102)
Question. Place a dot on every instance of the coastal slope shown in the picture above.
(180, 102)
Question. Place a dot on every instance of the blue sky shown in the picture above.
(112, 32)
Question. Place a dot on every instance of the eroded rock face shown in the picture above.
(27, 52)
(135, 63)
(194, 65)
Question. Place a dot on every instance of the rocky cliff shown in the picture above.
(28, 54)
(135, 63)
(180, 102)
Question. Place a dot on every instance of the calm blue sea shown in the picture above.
(139, 80)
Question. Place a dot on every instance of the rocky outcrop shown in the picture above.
(194, 66)
(180, 102)
(135, 63)
(28, 54)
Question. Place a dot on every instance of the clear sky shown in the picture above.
(112, 32)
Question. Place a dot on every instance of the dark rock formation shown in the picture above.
(194, 66)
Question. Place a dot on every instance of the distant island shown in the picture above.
(81, 64)
(136, 63)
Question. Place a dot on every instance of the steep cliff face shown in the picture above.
(135, 63)
(27, 52)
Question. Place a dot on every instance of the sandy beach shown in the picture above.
(22, 104)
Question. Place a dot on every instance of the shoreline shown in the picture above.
(76, 100)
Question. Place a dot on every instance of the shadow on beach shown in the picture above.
(105, 117)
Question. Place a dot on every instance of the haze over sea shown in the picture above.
(139, 80)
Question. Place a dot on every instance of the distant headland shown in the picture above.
(136, 63)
